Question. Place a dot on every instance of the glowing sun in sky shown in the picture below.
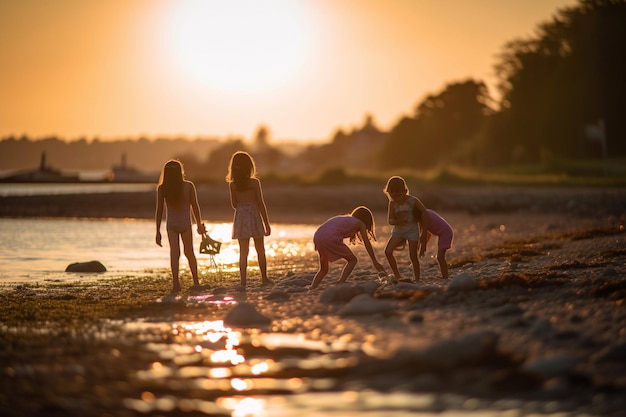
(239, 45)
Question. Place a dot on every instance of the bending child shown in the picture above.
(329, 244)
(410, 222)
(250, 219)
(180, 199)
(440, 228)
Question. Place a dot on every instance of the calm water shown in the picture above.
(72, 188)
(37, 249)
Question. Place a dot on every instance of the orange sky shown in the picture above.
(304, 68)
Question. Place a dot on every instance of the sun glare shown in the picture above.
(239, 45)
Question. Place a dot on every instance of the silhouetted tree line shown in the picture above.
(569, 76)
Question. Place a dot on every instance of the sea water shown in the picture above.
(37, 249)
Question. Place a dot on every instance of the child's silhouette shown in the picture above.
(179, 198)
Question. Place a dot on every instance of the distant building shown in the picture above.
(125, 173)
(45, 173)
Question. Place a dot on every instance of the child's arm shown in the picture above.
(391, 214)
(262, 208)
(158, 217)
(195, 208)
(233, 196)
(369, 249)
(424, 221)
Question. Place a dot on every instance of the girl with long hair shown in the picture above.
(179, 199)
(250, 218)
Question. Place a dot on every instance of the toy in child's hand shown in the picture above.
(210, 245)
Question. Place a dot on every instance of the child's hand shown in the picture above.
(268, 230)
(201, 229)
(158, 238)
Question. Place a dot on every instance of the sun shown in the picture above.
(239, 45)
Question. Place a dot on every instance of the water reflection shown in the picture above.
(223, 362)
(209, 368)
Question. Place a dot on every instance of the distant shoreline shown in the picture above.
(314, 204)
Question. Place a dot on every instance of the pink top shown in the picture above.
(328, 238)
(440, 228)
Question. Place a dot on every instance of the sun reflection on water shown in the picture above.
(287, 242)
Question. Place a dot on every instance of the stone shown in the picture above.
(91, 266)
(245, 315)
(365, 304)
(463, 282)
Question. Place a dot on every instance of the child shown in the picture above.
(440, 228)
(179, 196)
(250, 220)
(406, 213)
(328, 240)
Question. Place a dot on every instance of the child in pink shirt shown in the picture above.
(328, 240)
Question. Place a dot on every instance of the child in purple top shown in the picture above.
(328, 240)
(439, 227)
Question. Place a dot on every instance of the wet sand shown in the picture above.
(532, 320)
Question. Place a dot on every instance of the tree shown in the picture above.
(442, 123)
(571, 74)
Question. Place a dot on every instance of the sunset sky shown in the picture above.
(304, 68)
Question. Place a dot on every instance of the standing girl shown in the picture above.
(250, 220)
(180, 199)
(328, 240)
(408, 216)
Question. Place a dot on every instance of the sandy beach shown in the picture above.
(531, 321)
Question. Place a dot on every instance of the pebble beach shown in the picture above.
(531, 321)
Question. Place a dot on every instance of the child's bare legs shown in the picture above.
(172, 237)
(259, 246)
(415, 262)
(187, 239)
(391, 245)
(347, 270)
(443, 265)
(321, 273)
(244, 249)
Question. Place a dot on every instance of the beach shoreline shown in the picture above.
(533, 320)
(314, 204)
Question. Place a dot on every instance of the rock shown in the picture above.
(463, 282)
(369, 287)
(365, 304)
(509, 310)
(297, 280)
(91, 266)
(426, 382)
(194, 289)
(551, 367)
(471, 348)
(542, 328)
(277, 295)
(609, 273)
(245, 315)
(400, 286)
(615, 353)
(415, 317)
(340, 294)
